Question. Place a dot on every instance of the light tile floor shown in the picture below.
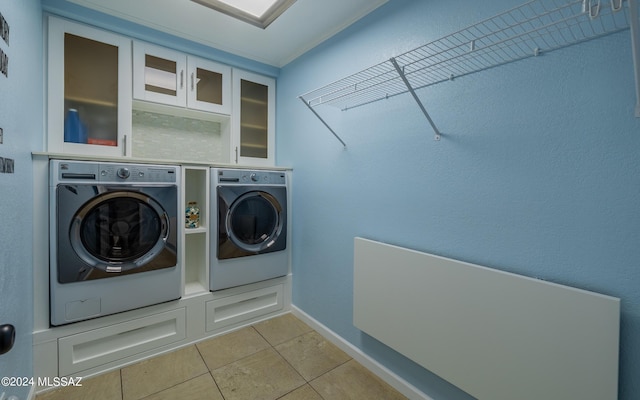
(281, 358)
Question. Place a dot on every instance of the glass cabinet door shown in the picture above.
(159, 74)
(209, 86)
(90, 91)
(89, 96)
(254, 116)
(254, 119)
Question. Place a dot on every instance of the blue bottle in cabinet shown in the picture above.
(74, 129)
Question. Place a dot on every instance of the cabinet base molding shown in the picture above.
(93, 347)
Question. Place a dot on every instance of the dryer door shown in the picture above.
(254, 223)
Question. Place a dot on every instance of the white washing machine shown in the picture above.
(113, 238)
(249, 227)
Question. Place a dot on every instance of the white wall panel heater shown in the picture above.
(493, 334)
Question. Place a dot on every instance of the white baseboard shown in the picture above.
(372, 365)
(30, 396)
(32, 393)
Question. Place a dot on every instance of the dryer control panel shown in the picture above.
(251, 177)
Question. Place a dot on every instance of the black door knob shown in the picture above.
(7, 337)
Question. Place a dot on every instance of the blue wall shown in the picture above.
(538, 172)
(21, 119)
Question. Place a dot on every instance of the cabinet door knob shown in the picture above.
(192, 81)
(181, 79)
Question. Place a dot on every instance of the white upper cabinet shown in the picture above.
(170, 77)
(253, 119)
(89, 96)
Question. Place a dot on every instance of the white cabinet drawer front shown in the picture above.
(93, 348)
(237, 308)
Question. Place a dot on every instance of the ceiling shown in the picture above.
(303, 26)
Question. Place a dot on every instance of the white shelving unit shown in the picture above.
(533, 28)
(196, 240)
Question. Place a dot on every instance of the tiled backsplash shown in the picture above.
(178, 138)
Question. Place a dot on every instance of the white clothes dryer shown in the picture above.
(249, 224)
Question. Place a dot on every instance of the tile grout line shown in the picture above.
(239, 359)
(173, 386)
(287, 361)
(324, 373)
(178, 384)
(307, 382)
(208, 370)
(121, 384)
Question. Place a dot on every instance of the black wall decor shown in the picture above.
(4, 29)
(4, 58)
(4, 63)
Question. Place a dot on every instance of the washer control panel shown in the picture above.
(82, 171)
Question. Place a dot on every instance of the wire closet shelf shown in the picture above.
(528, 30)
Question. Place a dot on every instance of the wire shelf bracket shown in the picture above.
(533, 28)
(323, 121)
(415, 96)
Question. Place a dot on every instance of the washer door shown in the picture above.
(253, 223)
(119, 231)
